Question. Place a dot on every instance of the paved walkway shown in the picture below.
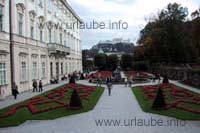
(122, 105)
(185, 86)
(26, 95)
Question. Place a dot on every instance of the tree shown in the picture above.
(195, 14)
(165, 38)
(112, 62)
(87, 64)
(100, 61)
(126, 61)
(194, 30)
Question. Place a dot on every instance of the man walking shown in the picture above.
(34, 86)
(40, 86)
(109, 85)
(15, 90)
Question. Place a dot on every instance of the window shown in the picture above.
(40, 3)
(49, 5)
(60, 38)
(2, 73)
(66, 67)
(20, 23)
(65, 43)
(50, 36)
(1, 17)
(43, 70)
(23, 71)
(32, 29)
(41, 35)
(51, 69)
(61, 68)
(34, 71)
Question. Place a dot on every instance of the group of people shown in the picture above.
(15, 90)
(36, 86)
(128, 82)
(108, 83)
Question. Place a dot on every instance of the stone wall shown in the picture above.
(186, 75)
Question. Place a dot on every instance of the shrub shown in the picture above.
(159, 102)
(165, 80)
(75, 101)
(72, 80)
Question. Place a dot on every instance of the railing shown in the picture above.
(55, 48)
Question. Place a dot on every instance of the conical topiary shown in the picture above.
(75, 101)
(82, 77)
(165, 80)
(72, 80)
(159, 102)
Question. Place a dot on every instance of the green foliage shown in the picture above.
(126, 61)
(87, 64)
(141, 65)
(166, 39)
(104, 62)
(100, 61)
(112, 62)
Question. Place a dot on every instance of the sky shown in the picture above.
(134, 13)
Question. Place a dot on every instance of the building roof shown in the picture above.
(71, 10)
(101, 51)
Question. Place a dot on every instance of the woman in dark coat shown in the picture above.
(15, 90)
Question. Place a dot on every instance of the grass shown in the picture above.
(146, 106)
(24, 114)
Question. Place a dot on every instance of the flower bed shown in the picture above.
(103, 75)
(138, 76)
(177, 96)
(55, 96)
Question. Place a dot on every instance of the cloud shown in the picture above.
(133, 12)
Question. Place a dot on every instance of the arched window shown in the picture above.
(20, 18)
(50, 29)
(32, 15)
(41, 28)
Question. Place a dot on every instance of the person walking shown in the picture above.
(34, 86)
(15, 91)
(126, 82)
(109, 85)
(130, 82)
(99, 81)
(40, 86)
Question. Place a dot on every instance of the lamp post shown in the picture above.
(12, 68)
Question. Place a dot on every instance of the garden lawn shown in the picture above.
(24, 114)
(146, 105)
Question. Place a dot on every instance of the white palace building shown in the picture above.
(43, 45)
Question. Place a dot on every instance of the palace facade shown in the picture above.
(45, 45)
